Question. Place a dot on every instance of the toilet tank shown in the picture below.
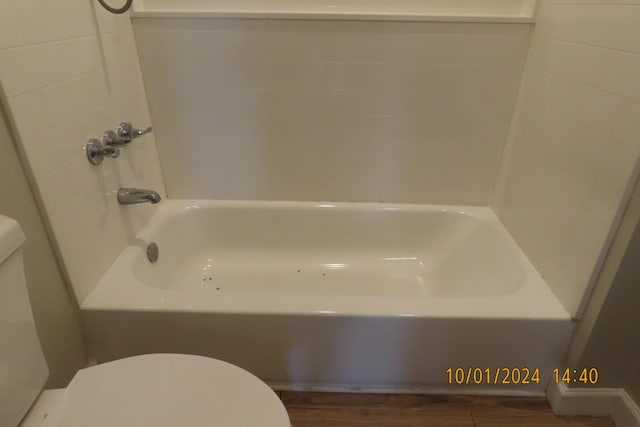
(23, 369)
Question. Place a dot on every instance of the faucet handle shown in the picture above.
(127, 132)
(96, 151)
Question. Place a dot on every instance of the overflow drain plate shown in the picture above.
(152, 252)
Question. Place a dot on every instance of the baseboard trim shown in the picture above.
(614, 402)
(376, 389)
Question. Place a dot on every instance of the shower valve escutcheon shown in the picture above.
(96, 151)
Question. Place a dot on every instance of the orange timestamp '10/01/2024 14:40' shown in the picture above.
(524, 376)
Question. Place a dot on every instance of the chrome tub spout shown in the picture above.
(131, 196)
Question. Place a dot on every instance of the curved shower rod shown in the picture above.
(117, 10)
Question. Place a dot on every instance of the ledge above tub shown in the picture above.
(487, 11)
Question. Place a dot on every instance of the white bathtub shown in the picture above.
(309, 295)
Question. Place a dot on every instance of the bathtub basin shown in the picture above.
(332, 295)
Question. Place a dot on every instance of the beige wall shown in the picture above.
(56, 319)
(614, 342)
(70, 71)
(573, 147)
(331, 110)
(633, 385)
(607, 337)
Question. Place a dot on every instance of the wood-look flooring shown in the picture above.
(397, 410)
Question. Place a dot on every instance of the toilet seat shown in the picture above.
(167, 390)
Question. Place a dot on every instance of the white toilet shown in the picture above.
(156, 390)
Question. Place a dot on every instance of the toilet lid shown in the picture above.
(167, 390)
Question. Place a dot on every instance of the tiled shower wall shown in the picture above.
(573, 148)
(70, 71)
(331, 110)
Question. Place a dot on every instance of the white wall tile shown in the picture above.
(31, 114)
(51, 149)
(44, 21)
(566, 59)
(619, 73)
(611, 167)
(331, 110)
(13, 34)
(70, 71)
(573, 148)
(68, 100)
(94, 217)
(626, 126)
(33, 67)
(168, 72)
(119, 49)
(612, 26)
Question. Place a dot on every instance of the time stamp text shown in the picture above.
(505, 375)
